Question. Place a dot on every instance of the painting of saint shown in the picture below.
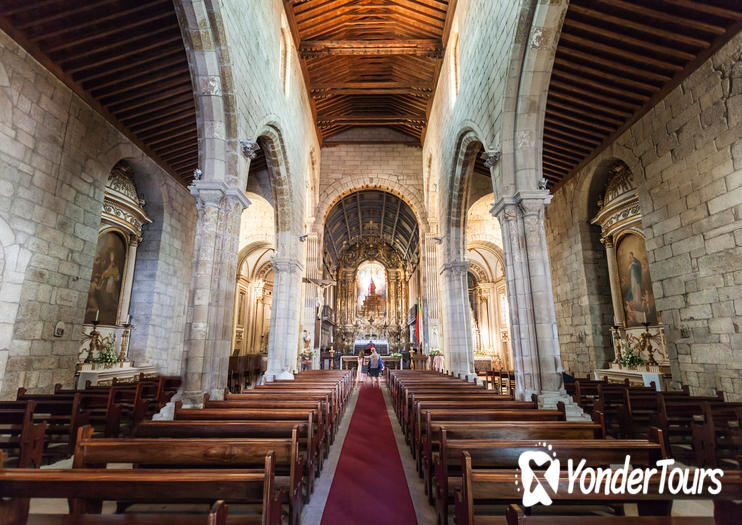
(371, 290)
(636, 282)
(105, 283)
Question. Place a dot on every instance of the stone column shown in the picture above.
(459, 349)
(618, 312)
(313, 292)
(537, 361)
(131, 260)
(209, 332)
(283, 345)
(430, 313)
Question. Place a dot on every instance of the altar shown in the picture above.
(348, 361)
(382, 345)
(119, 371)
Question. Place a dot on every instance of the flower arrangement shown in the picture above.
(107, 355)
(396, 355)
(630, 356)
(435, 352)
(306, 354)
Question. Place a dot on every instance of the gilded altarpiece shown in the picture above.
(371, 297)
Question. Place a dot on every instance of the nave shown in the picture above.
(423, 448)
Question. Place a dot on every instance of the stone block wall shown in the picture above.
(686, 157)
(158, 300)
(346, 167)
(485, 31)
(55, 157)
(254, 32)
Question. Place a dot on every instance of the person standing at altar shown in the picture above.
(359, 374)
(375, 366)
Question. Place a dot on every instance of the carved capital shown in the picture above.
(209, 194)
(456, 268)
(286, 265)
(249, 148)
(491, 158)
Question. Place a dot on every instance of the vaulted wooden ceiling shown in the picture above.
(371, 214)
(615, 60)
(126, 58)
(371, 62)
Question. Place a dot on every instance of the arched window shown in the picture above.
(285, 63)
(455, 67)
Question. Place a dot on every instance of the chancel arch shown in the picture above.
(371, 250)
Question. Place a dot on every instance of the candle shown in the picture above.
(128, 319)
(97, 313)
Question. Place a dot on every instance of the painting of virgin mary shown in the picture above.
(105, 283)
(636, 282)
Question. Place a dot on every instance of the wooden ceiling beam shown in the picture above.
(37, 30)
(554, 102)
(706, 8)
(320, 48)
(104, 36)
(412, 92)
(603, 75)
(643, 12)
(624, 39)
(594, 45)
(630, 23)
(119, 54)
(579, 96)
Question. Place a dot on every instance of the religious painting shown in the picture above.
(636, 283)
(105, 284)
(371, 290)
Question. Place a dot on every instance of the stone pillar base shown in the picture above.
(192, 399)
(272, 375)
(549, 400)
(166, 414)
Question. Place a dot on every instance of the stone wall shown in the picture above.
(686, 157)
(55, 157)
(484, 31)
(346, 167)
(254, 31)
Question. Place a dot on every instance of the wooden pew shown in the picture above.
(499, 430)
(675, 417)
(217, 516)
(420, 407)
(488, 414)
(20, 437)
(87, 488)
(200, 453)
(717, 436)
(496, 486)
(504, 454)
(262, 401)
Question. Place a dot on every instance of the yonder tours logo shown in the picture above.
(609, 481)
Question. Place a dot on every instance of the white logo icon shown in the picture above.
(533, 490)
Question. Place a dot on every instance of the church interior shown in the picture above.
(222, 220)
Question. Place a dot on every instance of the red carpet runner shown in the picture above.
(369, 486)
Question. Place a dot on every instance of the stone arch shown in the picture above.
(249, 249)
(332, 195)
(211, 75)
(529, 73)
(271, 142)
(493, 249)
(593, 183)
(455, 208)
